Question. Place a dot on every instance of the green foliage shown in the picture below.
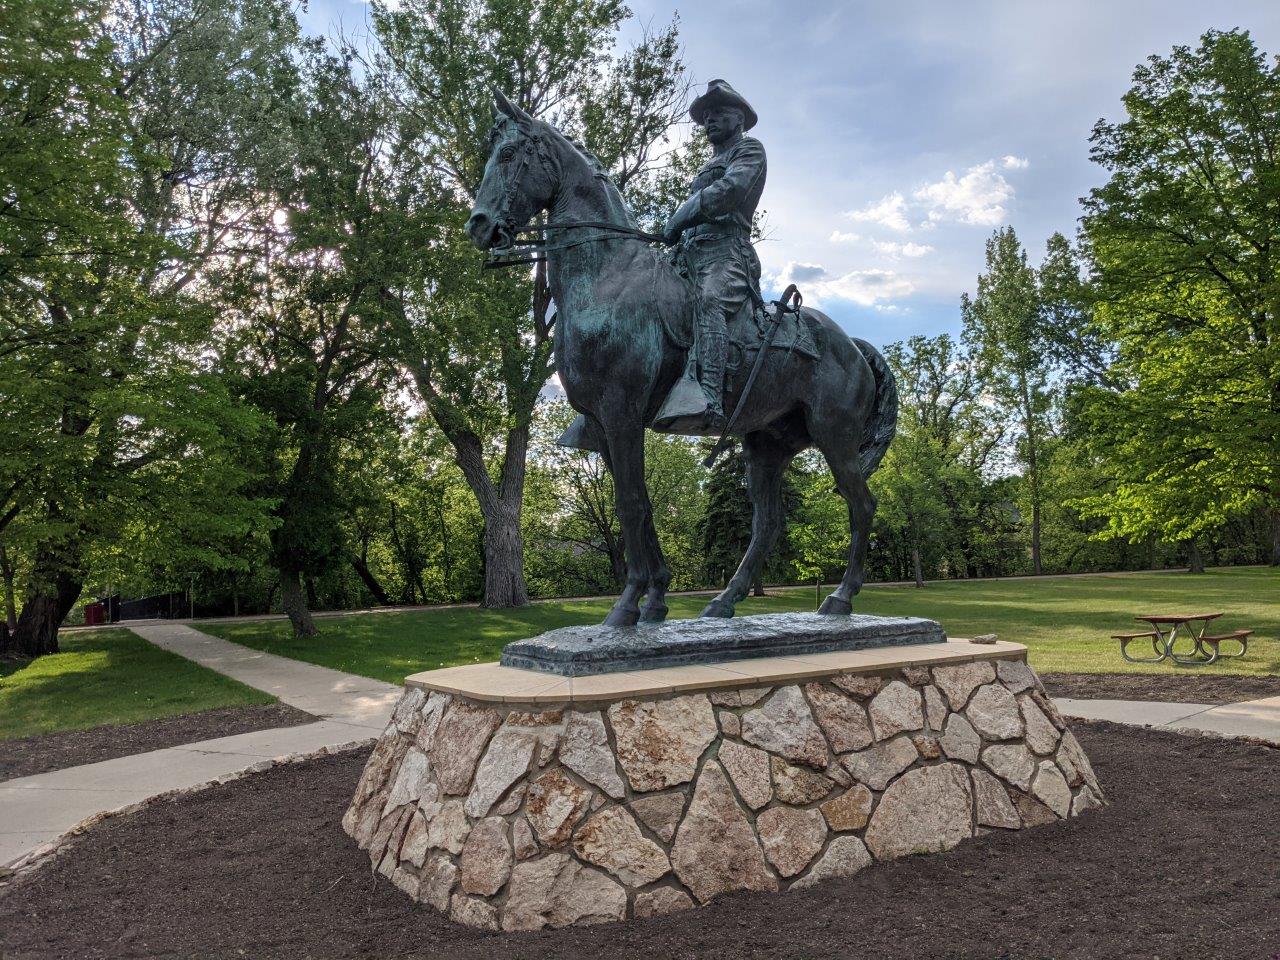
(109, 676)
(724, 529)
(1004, 321)
(107, 358)
(573, 537)
(479, 346)
(1185, 234)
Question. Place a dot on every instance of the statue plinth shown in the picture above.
(516, 800)
(589, 650)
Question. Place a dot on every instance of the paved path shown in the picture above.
(1253, 718)
(35, 811)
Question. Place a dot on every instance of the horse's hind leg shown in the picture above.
(841, 453)
(766, 460)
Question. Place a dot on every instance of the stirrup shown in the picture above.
(684, 410)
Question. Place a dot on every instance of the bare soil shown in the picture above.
(1175, 688)
(27, 756)
(1181, 864)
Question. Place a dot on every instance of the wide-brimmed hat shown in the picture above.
(720, 94)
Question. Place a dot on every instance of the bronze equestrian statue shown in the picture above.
(628, 320)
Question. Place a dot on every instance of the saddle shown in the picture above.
(746, 330)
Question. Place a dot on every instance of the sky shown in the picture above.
(901, 133)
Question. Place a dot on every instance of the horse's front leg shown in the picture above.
(631, 500)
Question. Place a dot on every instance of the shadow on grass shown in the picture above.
(1066, 622)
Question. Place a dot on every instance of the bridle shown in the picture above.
(535, 249)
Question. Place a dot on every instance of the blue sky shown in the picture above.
(900, 134)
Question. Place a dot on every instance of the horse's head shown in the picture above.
(518, 181)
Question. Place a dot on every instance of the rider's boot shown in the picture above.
(712, 344)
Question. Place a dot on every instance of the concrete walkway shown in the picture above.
(1259, 719)
(37, 811)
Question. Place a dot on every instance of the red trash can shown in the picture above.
(94, 614)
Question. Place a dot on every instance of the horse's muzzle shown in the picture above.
(481, 230)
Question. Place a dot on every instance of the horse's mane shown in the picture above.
(581, 150)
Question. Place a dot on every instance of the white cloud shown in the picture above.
(867, 287)
(839, 237)
(908, 249)
(889, 211)
(977, 197)
(1010, 162)
(863, 287)
(803, 272)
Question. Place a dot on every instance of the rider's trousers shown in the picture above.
(726, 272)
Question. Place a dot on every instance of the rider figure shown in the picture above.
(715, 225)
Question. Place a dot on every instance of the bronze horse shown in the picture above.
(621, 307)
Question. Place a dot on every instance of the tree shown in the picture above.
(307, 307)
(112, 345)
(725, 526)
(1004, 320)
(574, 537)
(1186, 239)
(479, 348)
(933, 493)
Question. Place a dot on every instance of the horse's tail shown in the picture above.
(883, 424)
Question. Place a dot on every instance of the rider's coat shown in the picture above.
(728, 188)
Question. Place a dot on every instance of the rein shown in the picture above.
(538, 247)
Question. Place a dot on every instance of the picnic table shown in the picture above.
(1166, 628)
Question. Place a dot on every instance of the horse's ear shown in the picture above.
(509, 109)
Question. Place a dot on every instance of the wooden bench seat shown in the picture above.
(1238, 636)
(1128, 638)
(1218, 638)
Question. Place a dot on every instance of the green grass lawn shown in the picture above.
(1067, 623)
(109, 676)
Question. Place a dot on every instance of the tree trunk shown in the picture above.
(1033, 472)
(1195, 560)
(57, 577)
(916, 568)
(504, 584)
(10, 604)
(1275, 536)
(295, 604)
(1035, 538)
(503, 540)
(757, 585)
(616, 549)
(370, 581)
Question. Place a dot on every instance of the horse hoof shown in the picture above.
(653, 613)
(621, 618)
(833, 606)
(718, 608)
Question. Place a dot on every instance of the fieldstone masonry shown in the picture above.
(518, 817)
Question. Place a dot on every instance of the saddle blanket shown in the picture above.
(748, 327)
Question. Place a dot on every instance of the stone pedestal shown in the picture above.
(517, 800)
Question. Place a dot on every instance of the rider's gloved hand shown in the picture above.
(684, 218)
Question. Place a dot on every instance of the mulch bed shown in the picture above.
(55, 751)
(1176, 688)
(1181, 864)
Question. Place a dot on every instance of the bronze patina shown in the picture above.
(629, 321)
